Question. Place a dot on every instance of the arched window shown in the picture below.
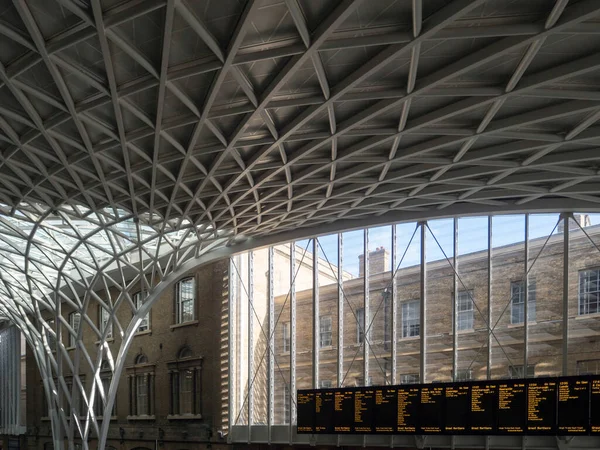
(185, 352)
(141, 387)
(185, 300)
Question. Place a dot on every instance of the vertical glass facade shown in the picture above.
(467, 298)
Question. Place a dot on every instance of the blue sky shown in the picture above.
(472, 237)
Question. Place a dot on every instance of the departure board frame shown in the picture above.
(553, 406)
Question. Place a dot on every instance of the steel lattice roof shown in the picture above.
(268, 116)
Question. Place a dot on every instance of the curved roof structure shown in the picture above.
(136, 136)
(264, 116)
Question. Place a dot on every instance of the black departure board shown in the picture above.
(512, 407)
(549, 406)
(306, 411)
(431, 409)
(324, 410)
(541, 406)
(573, 406)
(409, 400)
(457, 402)
(364, 400)
(595, 405)
(343, 414)
(385, 410)
(483, 406)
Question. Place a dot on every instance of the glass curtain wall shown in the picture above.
(496, 297)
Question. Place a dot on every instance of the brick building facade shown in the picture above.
(174, 391)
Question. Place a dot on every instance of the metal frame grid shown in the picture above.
(271, 432)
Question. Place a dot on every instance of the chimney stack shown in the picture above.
(379, 261)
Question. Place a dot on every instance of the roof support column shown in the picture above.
(423, 315)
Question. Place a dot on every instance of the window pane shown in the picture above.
(186, 299)
(186, 379)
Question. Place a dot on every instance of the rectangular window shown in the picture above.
(588, 367)
(50, 336)
(325, 334)
(517, 301)
(360, 328)
(186, 391)
(411, 318)
(409, 378)
(105, 323)
(74, 322)
(80, 405)
(287, 404)
(517, 371)
(464, 318)
(286, 337)
(185, 300)
(138, 301)
(325, 384)
(464, 374)
(99, 404)
(141, 394)
(589, 291)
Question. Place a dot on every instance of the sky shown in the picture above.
(472, 237)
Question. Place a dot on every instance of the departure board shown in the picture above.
(568, 406)
(457, 403)
(306, 411)
(595, 406)
(512, 404)
(343, 414)
(385, 410)
(324, 410)
(409, 400)
(431, 409)
(541, 406)
(483, 406)
(573, 406)
(364, 400)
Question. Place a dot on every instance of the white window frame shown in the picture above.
(138, 301)
(105, 321)
(409, 378)
(465, 317)
(179, 301)
(517, 301)
(411, 318)
(286, 337)
(516, 371)
(74, 323)
(589, 291)
(361, 326)
(325, 332)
